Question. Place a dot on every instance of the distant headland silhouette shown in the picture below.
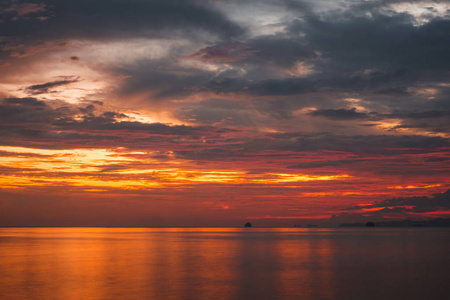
(438, 222)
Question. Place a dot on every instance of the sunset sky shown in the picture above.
(220, 112)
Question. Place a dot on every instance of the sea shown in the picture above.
(225, 263)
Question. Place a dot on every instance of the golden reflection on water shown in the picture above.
(222, 263)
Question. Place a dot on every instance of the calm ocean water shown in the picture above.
(224, 263)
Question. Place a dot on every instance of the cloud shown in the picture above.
(326, 163)
(24, 102)
(25, 110)
(31, 122)
(339, 114)
(376, 70)
(436, 120)
(16, 11)
(376, 144)
(222, 53)
(437, 159)
(47, 87)
(218, 111)
(123, 19)
(415, 204)
(400, 208)
(384, 59)
(22, 50)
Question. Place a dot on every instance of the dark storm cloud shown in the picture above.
(120, 19)
(379, 42)
(385, 47)
(370, 53)
(358, 52)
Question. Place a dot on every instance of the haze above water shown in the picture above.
(224, 263)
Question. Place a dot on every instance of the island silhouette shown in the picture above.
(438, 222)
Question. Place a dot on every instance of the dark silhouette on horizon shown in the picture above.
(438, 222)
(248, 224)
(370, 224)
(312, 226)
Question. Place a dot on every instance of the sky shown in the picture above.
(216, 113)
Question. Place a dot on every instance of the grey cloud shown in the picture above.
(122, 19)
(440, 201)
(437, 159)
(379, 58)
(30, 122)
(431, 114)
(14, 11)
(379, 42)
(326, 163)
(24, 102)
(362, 146)
(339, 114)
(25, 110)
(47, 87)
(381, 144)
(259, 50)
(436, 121)
(213, 111)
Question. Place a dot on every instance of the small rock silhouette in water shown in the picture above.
(248, 224)
(370, 224)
